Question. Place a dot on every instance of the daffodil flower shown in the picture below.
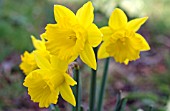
(50, 80)
(120, 38)
(28, 63)
(74, 35)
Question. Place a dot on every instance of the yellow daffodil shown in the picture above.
(120, 39)
(28, 63)
(73, 35)
(45, 83)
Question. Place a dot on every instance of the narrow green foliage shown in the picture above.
(81, 108)
(150, 108)
(123, 104)
(120, 103)
(103, 84)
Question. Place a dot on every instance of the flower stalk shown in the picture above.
(54, 108)
(103, 84)
(93, 86)
(77, 88)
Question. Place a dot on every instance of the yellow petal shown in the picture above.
(43, 36)
(67, 93)
(58, 63)
(102, 51)
(143, 45)
(85, 14)
(63, 13)
(88, 56)
(135, 24)
(69, 80)
(126, 62)
(118, 19)
(94, 35)
(107, 32)
(41, 61)
(73, 58)
(37, 43)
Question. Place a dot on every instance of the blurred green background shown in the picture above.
(145, 82)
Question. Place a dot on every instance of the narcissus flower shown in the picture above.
(28, 63)
(45, 83)
(121, 40)
(74, 35)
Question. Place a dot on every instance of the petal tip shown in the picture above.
(126, 62)
(89, 3)
(75, 83)
(117, 10)
(74, 102)
(24, 84)
(32, 37)
(95, 68)
(148, 48)
(57, 5)
(74, 105)
(145, 18)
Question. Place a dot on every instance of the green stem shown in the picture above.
(103, 84)
(150, 108)
(93, 86)
(77, 88)
(93, 91)
(54, 108)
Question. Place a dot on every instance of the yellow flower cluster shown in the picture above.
(75, 35)
(46, 76)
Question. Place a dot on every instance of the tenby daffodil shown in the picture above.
(50, 80)
(28, 63)
(120, 38)
(74, 34)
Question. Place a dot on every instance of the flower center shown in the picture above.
(122, 40)
(72, 37)
(121, 37)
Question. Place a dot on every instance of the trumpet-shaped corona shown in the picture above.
(120, 39)
(74, 35)
(50, 80)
